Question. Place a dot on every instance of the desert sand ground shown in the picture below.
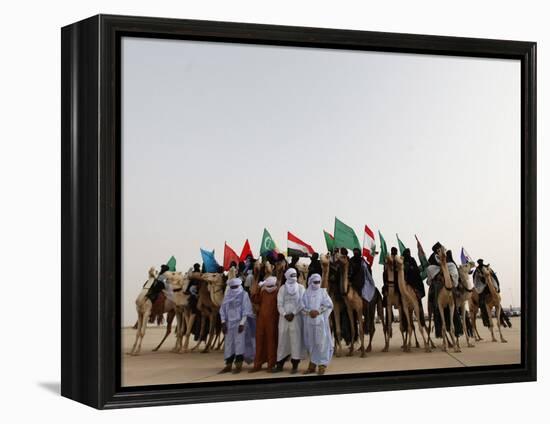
(165, 367)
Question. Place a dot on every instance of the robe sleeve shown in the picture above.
(280, 301)
(256, 298)
(222, 313)
(247, 309)
(326, 305)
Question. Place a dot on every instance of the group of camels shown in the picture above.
(348, 304)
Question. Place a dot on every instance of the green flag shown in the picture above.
(268, 245)
(329, 240)
(344, 236)
(423, 260)
(171, 264)
(383, 249)
(401, 245)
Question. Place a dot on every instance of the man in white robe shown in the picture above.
(318, 340)
(238, 325)
(289, 304)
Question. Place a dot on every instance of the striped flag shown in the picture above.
(465, 257)
(297, 247)
(369, 246)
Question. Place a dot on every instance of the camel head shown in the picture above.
(302, 272)
(153, 272)
(268, 269)
(340, 257)
(389, 261)
(280, 267)
(442, 253)
(487, 271)
(325, 261)
(176, 280)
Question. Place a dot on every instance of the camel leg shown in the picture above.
(169, 320)
(498, 311)
(430, 341)
(408, 340)
(389, 319)
(338, 329)
(138, 333)
(141, 331)
(443, 326)
(352, 328)
(468, 342)
(493, 338)
(421, 327)
(220, 344)
(361, 330)
(452, 332)
(401, 326)
(415, 338)
(474, 322)
(211, 332)
(189, 327)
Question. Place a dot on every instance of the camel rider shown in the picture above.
(412, 274)
(356, 271)
(479, 278)
(247, 273)
(434, 259)
(238, 325)
(193, 288)
(293, 261)
(314, 266)
(164, 280)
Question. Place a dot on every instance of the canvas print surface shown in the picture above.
(298, 211)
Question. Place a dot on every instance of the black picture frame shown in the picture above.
(90, 177)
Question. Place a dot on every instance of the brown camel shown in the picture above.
(492, 300)
(280, 268)
(445, 298)
(393, 300)
(354, 305)
(369, 310)
(185, 316)
(463, 295)
(410, 304)
(211, 293)
(144, 305)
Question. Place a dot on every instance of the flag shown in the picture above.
(329, 240)
(464, 257)
(297, 247)
(209, 261)
(369, 246)
(268, 245)
(344, 236)
(171, 264)
(246, 251)
(422, 258)
(383, 249)
(229, 255)
(401, 245)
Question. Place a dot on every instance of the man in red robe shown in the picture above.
(266, 324)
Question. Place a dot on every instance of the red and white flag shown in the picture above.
(297, 247)
(369, 246)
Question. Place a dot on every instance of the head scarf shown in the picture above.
(269, 284)
(231, 294)
(291, 283)
(313, 283)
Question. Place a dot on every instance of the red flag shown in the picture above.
(297, 247)
(369, 245)
(246, 251)
(229, 256)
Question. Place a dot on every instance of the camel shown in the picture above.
(185, 315)
(369, 310)
(393, 300)
(211, 293)
(280, 268)
(492, 300)
(463, 294)
(302, 270)
(144, 304)
(410, 303)
(445, 298)
(354, 305)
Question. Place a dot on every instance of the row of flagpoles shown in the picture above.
(344, 236)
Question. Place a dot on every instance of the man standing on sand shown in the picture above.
(265, 298)
(238, 325)
(289, 304)
(316, 309)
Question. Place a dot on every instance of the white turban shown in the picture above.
(269, 284)
(313, 282)
(291, 281)
(232, 293)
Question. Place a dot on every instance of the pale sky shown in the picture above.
(220, 140)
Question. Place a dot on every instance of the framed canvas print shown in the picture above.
(254, 211)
